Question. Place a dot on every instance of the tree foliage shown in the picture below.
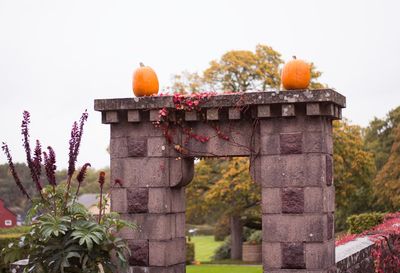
(354, 170)
(380, 135)
(239, 71)
(387, 181)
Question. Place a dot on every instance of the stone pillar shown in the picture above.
(295, 172)
(151, 196)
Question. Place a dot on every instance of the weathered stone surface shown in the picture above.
(119, 200)
(141, 172)
(166, 253)
(294, 228)
(226, 100)
(137, 147)
(312, 109)
(315, 142)
(330, 226)
(272, 255)
(154, 115)
(293, 170)
(157, 147)
(329, 199)
(263, 111)
(180, 231)
(292, 200)
(181, 171)
(313, 199)
(137, 199)
(291, 143)
(118, 147)
(296, 124)
(191, 116)
(150, 226)
(139, 252)
(135, 130)
(110, 117)
(293, 256)
(271, 200)
(166, 200)
(212, 114)
(234, 113)
(288, 110)
(329, 170)
(134, 116)
(320, 255)
(270, 145)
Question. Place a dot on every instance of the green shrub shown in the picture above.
(15, 230)
(190, 252)
(362, 222)
(5, 240)
(255, 238)
(223, 251)
(222, 229)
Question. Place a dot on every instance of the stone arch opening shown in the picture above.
(286, 135)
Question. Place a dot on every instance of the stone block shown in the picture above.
(315, 142)
(159, 200)
(292, 170)
(329, 199)
(292, 200)
(118, 147)
(136, 130)
(149, 226)
(178, 200)
(320, 255)
(291, 143)
(271, 200)
(110, 117)
(212, 114)
(272, 255)
(234, 113)
(166, 253)
(294, 228)
(330, 226)
(295, 124)
(288, 110)
(180, 222)
(263, 111)
(136, 147)
(270, 145)
(137, 200)
(157, 147)
(191, 116)
(141, 172)
(329, 170)
(181, 171)
(313, 109)
(154, 115)
(139, 252)
(134, 116)
(313, 199)
(293, 256)
(119, 200)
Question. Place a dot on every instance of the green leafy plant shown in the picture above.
(255, 238)
(63, 236)
(361, 222)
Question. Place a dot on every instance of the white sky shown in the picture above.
(56, 57)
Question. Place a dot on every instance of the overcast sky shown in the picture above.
(56, 57)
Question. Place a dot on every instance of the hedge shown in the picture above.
(362, 222)
(5, 239)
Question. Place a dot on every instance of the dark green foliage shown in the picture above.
(190, 254)
(15, 230)
(362, 222)
(5, 240)
(223, 251)
(255, 238)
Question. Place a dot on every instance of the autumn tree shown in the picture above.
(354, 170)
(187, 82)
(380, 135)
(387, 182)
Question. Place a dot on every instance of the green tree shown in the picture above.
(354, 170)
(387, 181)
(380, 135)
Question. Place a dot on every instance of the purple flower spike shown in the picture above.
(75, 142)
(37, 159)
(13, 170)
(50, 166)
(82, 173)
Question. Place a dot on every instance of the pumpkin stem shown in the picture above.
(141, 64)
(294, 57)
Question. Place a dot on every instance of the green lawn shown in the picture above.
(223, 269)
(204, 247)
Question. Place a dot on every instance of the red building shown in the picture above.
(7, 218)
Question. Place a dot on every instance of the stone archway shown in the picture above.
(288, 137)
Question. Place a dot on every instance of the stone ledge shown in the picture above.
(226, 100)
(353, 253)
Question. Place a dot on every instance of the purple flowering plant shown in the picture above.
(64, 236)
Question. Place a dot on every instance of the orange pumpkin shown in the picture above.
(145, 81)
(296, 74)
